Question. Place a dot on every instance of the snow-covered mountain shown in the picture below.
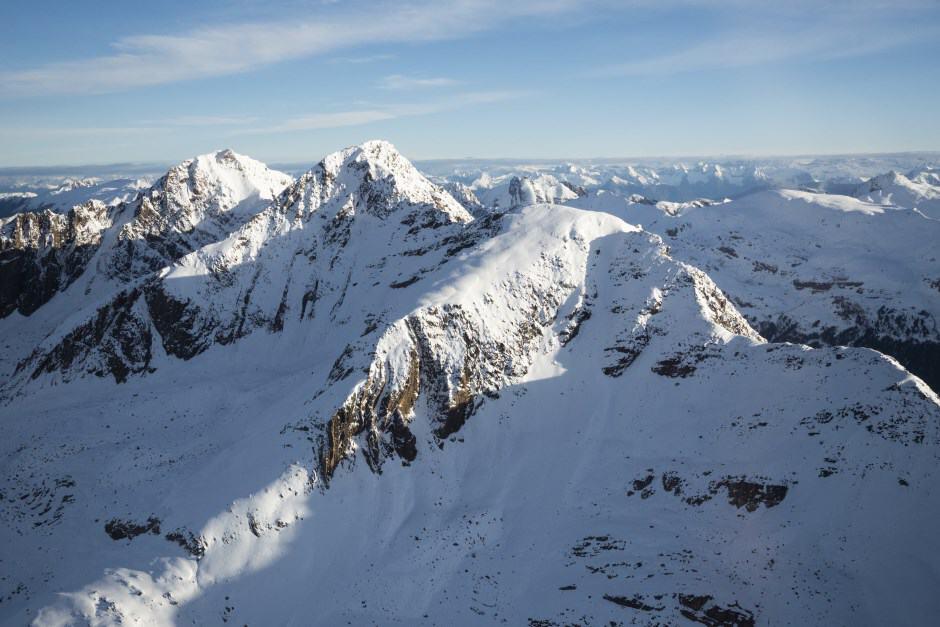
(297, 250)
(682, 180)
(817, 269)
(83, 257)
(65, 194)
(920, 190)
(889, 240)
(514, 191)
(366, 402)
(196, 203)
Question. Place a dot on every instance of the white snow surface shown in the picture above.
(920, 190)
(65, 194)
(629, 448)
(807, 259)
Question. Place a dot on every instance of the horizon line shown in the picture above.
(6, 170)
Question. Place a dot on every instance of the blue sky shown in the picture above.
(100, 81)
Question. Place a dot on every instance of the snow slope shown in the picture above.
(365, 406)
(813, 268)
(921, 190)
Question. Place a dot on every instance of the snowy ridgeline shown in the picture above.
(529, 396)
(891, 178)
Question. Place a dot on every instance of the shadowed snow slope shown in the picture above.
(365, 406)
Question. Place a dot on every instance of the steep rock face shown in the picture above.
(117, 341)
(42, 253)
(198, 202)
(467, 345)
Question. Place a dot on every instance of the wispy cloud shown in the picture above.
(144, 127)
(249, 125)
(836, 31)
(378, 113)
(207, 120)
(371, 58)
(398, 81)
(145, 60)
(59, 132)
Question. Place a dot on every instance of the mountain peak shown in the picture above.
(228, 172)
(196, 202)
(377, 180)
(227, 153)
(380, 157)
(376, 146)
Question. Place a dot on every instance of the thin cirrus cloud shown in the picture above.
(147, 60)
(831, 36)
(369, 58)
(144, 127)
(398, 82)
(248, 125)
(379, 113)
(208, 120)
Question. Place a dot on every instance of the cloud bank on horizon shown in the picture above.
(470, 77)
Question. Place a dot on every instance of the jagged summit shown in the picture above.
(197, 202)
(378, 153)
(372, 177)
(206, 187)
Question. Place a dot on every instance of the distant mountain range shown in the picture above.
(24, 189)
